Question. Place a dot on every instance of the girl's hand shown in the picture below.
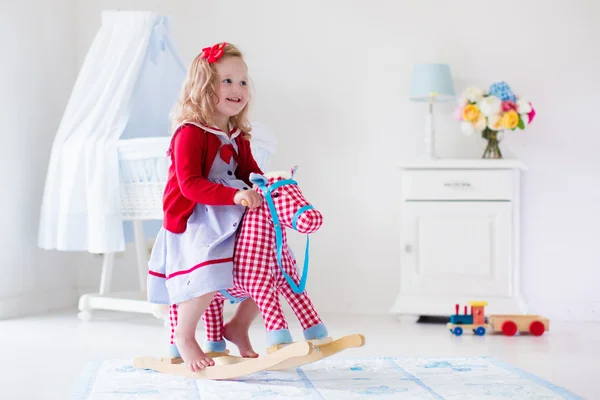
(252, 199)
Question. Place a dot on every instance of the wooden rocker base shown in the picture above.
(226, 366)
(279, 357)
(321, 349)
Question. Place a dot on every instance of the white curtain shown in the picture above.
(126, 88)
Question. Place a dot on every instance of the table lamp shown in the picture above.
(431, 83)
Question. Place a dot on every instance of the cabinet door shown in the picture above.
(457, 248)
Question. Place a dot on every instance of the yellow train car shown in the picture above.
(509, 325)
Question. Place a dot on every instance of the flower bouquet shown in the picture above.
(491, 112)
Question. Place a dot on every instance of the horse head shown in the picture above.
(286, 203)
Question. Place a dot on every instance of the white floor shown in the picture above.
(43, 355)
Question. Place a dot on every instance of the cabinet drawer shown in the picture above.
(457, 184)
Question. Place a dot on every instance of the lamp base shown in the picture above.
(429, 134)
(429, 146)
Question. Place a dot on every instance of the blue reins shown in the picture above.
(267, 190)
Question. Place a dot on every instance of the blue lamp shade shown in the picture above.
(432, 82)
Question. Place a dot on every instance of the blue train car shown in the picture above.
(474, 320)
(458, 319)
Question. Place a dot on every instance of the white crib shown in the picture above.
(143, 169)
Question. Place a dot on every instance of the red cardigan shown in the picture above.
(192, 153)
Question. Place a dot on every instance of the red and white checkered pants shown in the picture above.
(212, 317)
(173, 320)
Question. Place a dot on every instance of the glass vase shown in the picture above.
(492, 150)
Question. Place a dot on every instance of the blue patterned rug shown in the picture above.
(381, 378)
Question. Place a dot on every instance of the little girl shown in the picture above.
(208, 179)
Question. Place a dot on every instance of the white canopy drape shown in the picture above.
(126, 88)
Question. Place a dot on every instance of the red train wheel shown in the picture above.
(537, 328)
(509, 328)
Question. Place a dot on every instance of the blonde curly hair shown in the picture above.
(198, 95)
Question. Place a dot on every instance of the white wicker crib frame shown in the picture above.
(143, 170)
(141, 201)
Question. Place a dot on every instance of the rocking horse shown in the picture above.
(264, 269)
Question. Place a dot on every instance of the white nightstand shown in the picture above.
(459, 236)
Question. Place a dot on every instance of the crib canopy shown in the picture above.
(127, 85)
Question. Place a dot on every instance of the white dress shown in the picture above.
(199, 260)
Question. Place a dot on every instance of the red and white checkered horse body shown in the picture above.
(256, 271)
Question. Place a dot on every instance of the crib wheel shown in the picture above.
(85, 316)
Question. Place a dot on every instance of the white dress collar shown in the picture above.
(235, 132)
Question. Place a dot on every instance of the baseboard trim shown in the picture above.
(567, 310)
(443, 305)
(36, 303)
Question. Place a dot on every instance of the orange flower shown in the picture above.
(470, 113)
(510, 119)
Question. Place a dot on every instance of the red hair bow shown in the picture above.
(212, 54)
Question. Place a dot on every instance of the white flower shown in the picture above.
(481, 123)
(467, 128)
(525, 119)
(523, 107)
(490, 105)
(473, 94)
(495, 122)
(463, 101)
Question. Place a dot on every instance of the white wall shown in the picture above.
(37, 71)
(332, 79)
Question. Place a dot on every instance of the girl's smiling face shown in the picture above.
(232, 95)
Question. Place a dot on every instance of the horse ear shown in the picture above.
(258, 179)
(293, 170)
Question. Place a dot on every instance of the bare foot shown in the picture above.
(192, 354)
(240, 338)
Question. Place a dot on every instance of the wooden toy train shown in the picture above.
(509, 325)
